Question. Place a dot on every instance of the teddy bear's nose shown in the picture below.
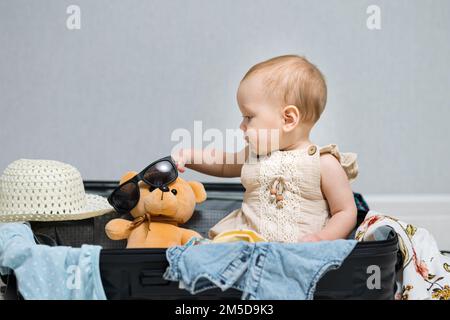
(164, 189)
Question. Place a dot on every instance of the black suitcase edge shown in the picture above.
(148, 266)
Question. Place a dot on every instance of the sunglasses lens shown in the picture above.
(161, 173)
(126, 197)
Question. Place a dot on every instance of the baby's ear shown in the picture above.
(199, 191)
(127, 176)
(292, 116)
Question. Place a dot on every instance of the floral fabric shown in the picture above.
(425, 271)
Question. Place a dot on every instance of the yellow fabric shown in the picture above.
(238, 235)
(301, 211)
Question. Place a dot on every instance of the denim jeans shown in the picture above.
(43, 272)
(261, 270)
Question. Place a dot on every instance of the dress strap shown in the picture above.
(348, 160)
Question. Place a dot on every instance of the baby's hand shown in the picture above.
(181, 156)
(312, 237)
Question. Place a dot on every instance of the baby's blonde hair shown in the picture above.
(297, 81)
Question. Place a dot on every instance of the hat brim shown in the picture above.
(95, 206)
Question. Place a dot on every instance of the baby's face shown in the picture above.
(262, 118)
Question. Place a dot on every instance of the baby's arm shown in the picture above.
(337, 191)
(212, 162)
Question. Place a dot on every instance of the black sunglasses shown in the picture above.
(158, 175)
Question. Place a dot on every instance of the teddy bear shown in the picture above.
(158, 214)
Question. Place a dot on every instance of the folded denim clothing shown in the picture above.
(425, 272)
(261, 270)
(45, 272)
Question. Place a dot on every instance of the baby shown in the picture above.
(296, 191)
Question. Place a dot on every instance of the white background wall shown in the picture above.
(106, 98)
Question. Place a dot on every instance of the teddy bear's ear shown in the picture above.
(127, 176)
(199, 191)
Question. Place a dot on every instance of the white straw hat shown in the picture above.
(46, 190)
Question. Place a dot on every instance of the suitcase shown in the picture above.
(137, 273)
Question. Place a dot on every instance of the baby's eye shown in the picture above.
(247, 118)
